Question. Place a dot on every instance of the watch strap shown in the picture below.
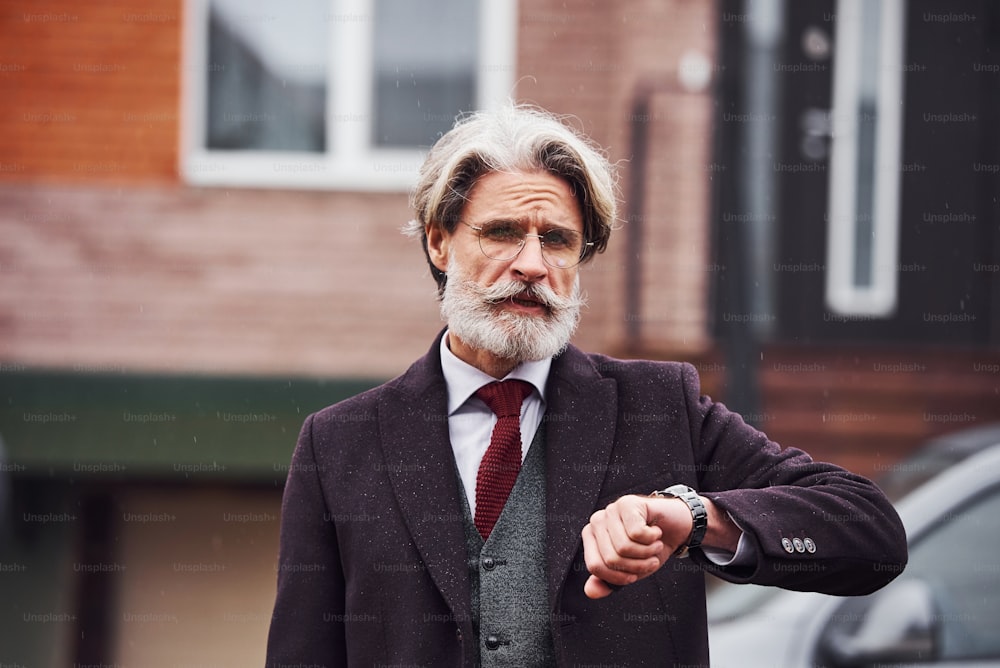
(699, 515)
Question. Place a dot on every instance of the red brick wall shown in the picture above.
(211, 281)
(90, 90)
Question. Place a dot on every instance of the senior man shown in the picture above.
(513, 501)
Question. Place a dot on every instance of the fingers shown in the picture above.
(611, 573)
(620, 547)
(626, 524)
(595, 587)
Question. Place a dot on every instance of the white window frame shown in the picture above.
(843, 295)
(354, 164)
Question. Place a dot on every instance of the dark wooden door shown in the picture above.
(939, 278)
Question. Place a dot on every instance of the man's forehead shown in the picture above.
(538, 197)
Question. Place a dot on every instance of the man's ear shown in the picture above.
(438, 246)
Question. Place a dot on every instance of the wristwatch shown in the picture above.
(699, 516)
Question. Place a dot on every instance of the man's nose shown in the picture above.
(529, 263)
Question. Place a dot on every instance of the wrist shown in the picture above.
(722, 533)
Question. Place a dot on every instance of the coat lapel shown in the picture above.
(413, 418)
(580, 428)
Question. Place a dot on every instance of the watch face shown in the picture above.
(673, 490)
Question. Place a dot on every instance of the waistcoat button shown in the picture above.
(492, 642)
(489, 563)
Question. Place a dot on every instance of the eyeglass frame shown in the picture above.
(524, 242)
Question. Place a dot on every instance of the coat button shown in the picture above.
(810, 545)
(489, 563)
(787, 545)
(799, 545)
(492, 642)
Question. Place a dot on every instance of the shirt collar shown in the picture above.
(463, 379)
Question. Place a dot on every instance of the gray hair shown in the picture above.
(510, 139)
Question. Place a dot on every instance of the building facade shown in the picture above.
(200, 212)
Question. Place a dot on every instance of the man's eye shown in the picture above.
(558, 239)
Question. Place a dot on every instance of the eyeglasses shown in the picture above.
(504, 240)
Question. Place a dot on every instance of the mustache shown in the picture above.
(502, 291)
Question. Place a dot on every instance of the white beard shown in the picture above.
(473, 315)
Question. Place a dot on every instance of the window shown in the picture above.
(865, 163)
(334, 93)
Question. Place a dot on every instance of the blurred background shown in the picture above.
(200, 204)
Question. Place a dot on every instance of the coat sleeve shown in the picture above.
(813, 526)
(307, 626)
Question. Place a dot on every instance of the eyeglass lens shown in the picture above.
(502, 241)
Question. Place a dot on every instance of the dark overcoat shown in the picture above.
(373, 569)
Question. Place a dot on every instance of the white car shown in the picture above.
(943, 610)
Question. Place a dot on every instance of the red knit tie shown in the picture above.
(502, 460)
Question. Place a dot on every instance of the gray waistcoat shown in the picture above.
(509, 590)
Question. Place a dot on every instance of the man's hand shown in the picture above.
(631, 539)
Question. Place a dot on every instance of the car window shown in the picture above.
(960, 560)
(957, 563)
